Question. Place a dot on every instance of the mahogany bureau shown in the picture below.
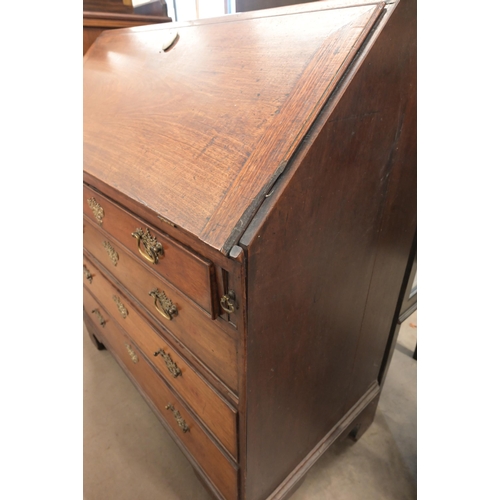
(249, 206)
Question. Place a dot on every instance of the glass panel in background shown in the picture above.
(414, 286)
(211, 8)
(188, 10)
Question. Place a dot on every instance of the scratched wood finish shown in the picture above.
(222, 472)
(316, 256)
(191, 326)
(224, 118)
(219, 417)
(187, 271)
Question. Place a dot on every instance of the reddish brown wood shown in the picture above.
(94, 23)
(191, 326)
(155, 8)
(176, 232)
(312, 350)
(90, 35)
(286, 159)
(222, 472)
(186, 270)
(211, 166)
(405, 307)
(116, 6)
(398, 219)
(217, 415)
(201, 368)
(360, 412)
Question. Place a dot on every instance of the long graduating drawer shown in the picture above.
(194, 329)
(215, 412)
(210, 458)
(188, 271)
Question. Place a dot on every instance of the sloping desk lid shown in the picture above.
(199, 132)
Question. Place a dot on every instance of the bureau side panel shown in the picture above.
(398, 223)
(316, 246)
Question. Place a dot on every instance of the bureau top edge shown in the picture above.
(197, 133)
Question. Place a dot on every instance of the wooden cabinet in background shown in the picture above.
(249, 208)
(100, 15)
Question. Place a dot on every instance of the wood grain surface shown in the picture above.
(222, 472)
(219, 417)
(200, 132)
(186, 270)
(319, 305)
(94, 23)
(278, 149)
(191, 326)
(155, 8)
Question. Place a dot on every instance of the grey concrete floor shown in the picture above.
(128, 455)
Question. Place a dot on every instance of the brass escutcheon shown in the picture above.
(97, 210)
(171, 365)
(180, 421)
(112, 253)
(87, 273)
(102, 321)
(166, 307)
(132, 354)
(228, 302)
(120, 306)
(153, 248)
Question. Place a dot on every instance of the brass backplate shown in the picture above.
(120, 306)
(112, 253)
(97, 210)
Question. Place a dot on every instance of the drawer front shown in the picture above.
(219, 469)
(215, 412)
(186, 270)
(193, 328)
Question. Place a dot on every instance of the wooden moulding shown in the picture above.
(202, 368)
(358, 419)
(309, 216)
(219, 417)
(198, 446)
(115, 20)
(192, 326)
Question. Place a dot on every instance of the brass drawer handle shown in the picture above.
(120, 306)
(166, 307)
(112, 253)
(180, 421)
(171, 365)
(97, 210)
(102, 321)
(132, 354)
(228, 302)
(87, 273)
(153, 248)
